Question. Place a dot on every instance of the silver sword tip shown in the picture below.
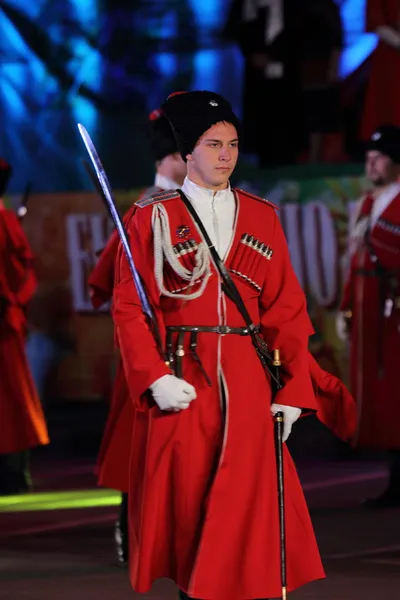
(82, 129)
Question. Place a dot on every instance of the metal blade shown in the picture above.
(111, 204)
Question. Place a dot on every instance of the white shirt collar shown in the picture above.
(194, 191)
(165, 183)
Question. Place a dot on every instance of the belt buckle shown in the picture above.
(224, 329)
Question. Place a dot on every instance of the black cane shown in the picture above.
(278, 418)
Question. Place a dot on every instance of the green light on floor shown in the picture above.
(59, 500)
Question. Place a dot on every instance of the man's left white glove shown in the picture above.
(290, 416)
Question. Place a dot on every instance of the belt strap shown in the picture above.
(230, 289)
(220, 329)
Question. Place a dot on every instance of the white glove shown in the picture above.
(341, 326)
(172, 394)
(290, 415)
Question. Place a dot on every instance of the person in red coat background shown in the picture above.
(203, 483)
(22, 423)
(382, 102)
(113, 460)
(371, 303)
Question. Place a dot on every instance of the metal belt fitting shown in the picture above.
(175, 359)
(220, 329)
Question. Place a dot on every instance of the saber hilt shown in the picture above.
(22, 208)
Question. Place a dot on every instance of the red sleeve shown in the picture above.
(375, 15)
(143, 363)
(337, 409)
(285, 325)
(101, 279)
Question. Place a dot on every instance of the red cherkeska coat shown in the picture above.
(112, 466)
(22, 423)
(375, 339)
(336, 408)
(382, 101)
(203, 489)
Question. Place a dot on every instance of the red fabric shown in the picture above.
(337, 409)
(101, 279)
(112, 467)
(375, 340)
(365, 211)
(366, 206)
(382, 103)
(198, 497)
(22, 424)
(113, 459)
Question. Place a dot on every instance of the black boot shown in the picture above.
(121, 532)
(391, 496)
(14, 473)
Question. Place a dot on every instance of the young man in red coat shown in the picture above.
(371, 302)
(113, 460)
(203, 487)
(22, 423)
(382, 101)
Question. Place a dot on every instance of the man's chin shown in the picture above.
(222, 178)
(377, 181)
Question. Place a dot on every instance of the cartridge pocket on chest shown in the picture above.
(251, 260)
(185, 255)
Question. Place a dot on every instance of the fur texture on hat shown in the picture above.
(386, 140)
(5, 174)
(163, 142)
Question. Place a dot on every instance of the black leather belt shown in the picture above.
(221, 329)
(175, 357)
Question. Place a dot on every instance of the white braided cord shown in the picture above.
(163, 248)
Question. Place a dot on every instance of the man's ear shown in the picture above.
(189, 157)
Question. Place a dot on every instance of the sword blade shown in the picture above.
(111, 204)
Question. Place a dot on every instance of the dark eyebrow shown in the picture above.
(230, 141)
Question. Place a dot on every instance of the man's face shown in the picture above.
(380, 169)
(214, 157)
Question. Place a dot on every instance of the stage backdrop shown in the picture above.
(66, 230)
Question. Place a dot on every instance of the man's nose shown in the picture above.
(225, 154)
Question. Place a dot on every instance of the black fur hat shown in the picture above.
(191, 114)
(5, 174)
(163, 142)
(386, 139)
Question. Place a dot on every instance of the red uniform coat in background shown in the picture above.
(22, 424)
(382, 102)
(375, 338)
(203, 489)
(112, 467)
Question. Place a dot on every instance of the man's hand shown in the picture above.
(172, 394)
(290, 416)
(343, 323)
